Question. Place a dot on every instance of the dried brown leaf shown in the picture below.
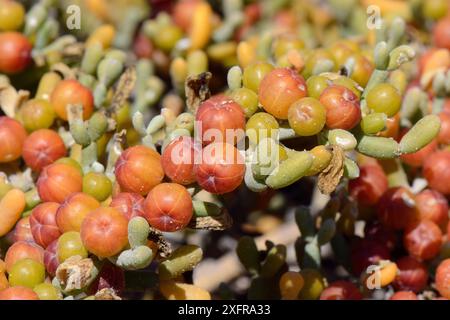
(330, 177)
(197, 90)
(164, 247)
(124, 89)
(74, 273)
(64, 70)
(219, 222)
(11, 99)
(106, 294)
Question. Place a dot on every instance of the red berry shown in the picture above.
(57, 181)
(417, 159)
(221, 169)
(368, 188)
(18, 293)
(42, 148)
(341, 290)
(51, 258)
(22, 231)
(15, 50)
(221, 119)
(444, 132)
(168, 207)
(396, 208)
(443, 278)
(441, 33)
(139, 169)
(433, 206)
(23, 250)
(342, 105)
(365, 253)
(129, 204)
(73, 210)
(178, 160)
(104, 232)
(404, 295)
(436, 171)
(43, 223)
(72, 92)
(423, 240)
(110, 277)
(12, 137)
(412, 275)
(378, 233)
(279, 89)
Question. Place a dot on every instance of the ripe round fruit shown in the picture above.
(362, 69)
(254, 74)
(365, 253)
(22, 230)
(384, 98)
(423, 240)
(139, 169)
(307, 116)
(168, 207)
(72, 92)
(368, 188)
(260, 126)
(433, 206)
(15, 50)
(12, 14)
(443, 278)
(69, 245)
(221, 119)
(26, 273)
(342, 105)
(221, 169)
(441, 33)
(279, 90)
(43, 223)
(37, 114)
(18, 293)
(444, 132)
(412, 275)
(104, 232)
(316, 85)
(51, 261)
(417, 158)
(404, 295)
(247, 99)
(178, 160)
(396, 208)
(12, 137)
(341, 290)
(129, 204)
(436, 171)
(42, 148)
(23, 250)
(97, 185)
(73, 210)
(57, 181)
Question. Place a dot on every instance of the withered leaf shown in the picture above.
(64, 70)
(11, 99)
(330, 177)
(106, 294)
(220, 222)
(164, 247)
(74, 273)
(197, 90)
(124, 89)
